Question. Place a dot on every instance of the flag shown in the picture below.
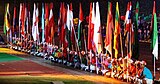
(63, 28)
(43, 25)
(35, 31)
(51, 23)
(155, 35)
(60, 22)
(6, 19)
(128, 16)
(137, 12)
(152, 22)
(89, 30)
(22, 19)
(129, 32)
(73, 35)
(46, 22)
(26, 19)
(109, 27)
(14, 21)
(135, 53)
(116, 31)
(79, 26)
(97, 38)
(68, 24)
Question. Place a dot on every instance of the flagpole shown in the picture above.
(122, 50)
(154, 68)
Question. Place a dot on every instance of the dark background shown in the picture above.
(146, 7)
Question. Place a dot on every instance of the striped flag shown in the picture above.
(6, 19)
(46, 22)
(90, 35)
(51, 23)
(35, 31)
(109, 27)
(155, 35)
(116, 31)
(79, 26)
(128, 16)
(97, 38)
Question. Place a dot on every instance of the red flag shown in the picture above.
(108, 39)
(72, 25)
(63, 31)
(60, 22)
(23, 20)
(46, 22)
(51, 23)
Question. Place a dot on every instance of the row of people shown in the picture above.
(122, 68)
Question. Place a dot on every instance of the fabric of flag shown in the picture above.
(6, 19)
(68, 24)
(60, 23)
(73, 34)
(155, 35)
(152, 22)
(89, 29)
(97, 38)
(35, 31)
(79, 26)
(14, 21)
(128, 16)
(46, 22)
(109, 27)
(63, 29)
(20, 21)
(26, 19)
(116, 31)
(51, 23)
(137, 12)
(43, 25)
(22, 18)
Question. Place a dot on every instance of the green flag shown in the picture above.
(155, 38)
(154, 44)
(6, 19)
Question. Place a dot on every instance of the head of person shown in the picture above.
(142, 64)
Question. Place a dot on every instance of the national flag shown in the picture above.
(97, 38)
(46, 22)
(26, 18)
(43, 25)
(90, 38)
(116, 31)
(109, 27)
(22, 19)
(128, 16)
(68, 25)
(63, 28)
(152, 22)
(73, 34)
(79, 26)
(60, 22)
(51, 24)
(155, 34)
(35, 31)
(6, 19)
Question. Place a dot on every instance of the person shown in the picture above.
(146, 74)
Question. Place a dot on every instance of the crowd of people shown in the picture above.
(123, 68)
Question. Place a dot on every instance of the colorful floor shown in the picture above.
(6, 57)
